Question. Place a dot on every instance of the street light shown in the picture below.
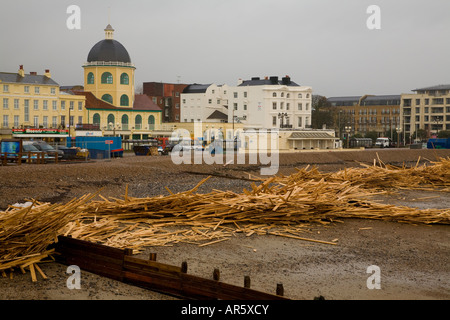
(399, 130)
(348, 129)
(282, 116)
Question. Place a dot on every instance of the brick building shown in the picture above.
(167, 97)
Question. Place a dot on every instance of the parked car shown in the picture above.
(30, 151)
(45, 147)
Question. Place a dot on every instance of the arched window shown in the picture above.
(300, 95)
(107, 78)
(124, 79)
(124, 101)
(90, 78)
(151, 123)
(111, 120)
(274, 94)
(138, 122)
(108, 98)
(96, 119)
(125, 122)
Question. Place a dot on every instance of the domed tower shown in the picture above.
(109, 73)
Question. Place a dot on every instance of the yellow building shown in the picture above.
(111, 103)
(32, 101)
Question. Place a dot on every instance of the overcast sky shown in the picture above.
(324, 44)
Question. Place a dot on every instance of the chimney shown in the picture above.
(47, 73)
(33, 73)
(21, 71)
(239, 82)
(286, 80)
(274, 80)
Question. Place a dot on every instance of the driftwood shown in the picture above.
(278, 206)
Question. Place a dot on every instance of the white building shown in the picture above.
(267, 103)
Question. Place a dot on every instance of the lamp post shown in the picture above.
(348, 129)
(399, 131)
(281, 116)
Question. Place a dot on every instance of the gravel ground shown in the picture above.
(413, 260)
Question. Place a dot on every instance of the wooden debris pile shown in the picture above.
(281, 206)
(26, 232)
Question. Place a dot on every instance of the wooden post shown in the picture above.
(280, 289)
(152, 257)
(184, 267)
(216, 274)
(246, 282)
(128, 252)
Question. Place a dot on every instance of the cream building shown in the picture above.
(32, 101)
(428, 109)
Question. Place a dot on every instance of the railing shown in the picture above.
(108, 63)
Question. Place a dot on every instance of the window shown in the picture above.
(107, 78)
(427, 102)
(151, 123)
(300, 107)
(26, 109)
(80, 119)
(124, 79)
(124, 122)
(5, 121)
(45, 121)
(36, 104)
(282, 94)
(177, 106)
(235, 94)
(281, 105)
(54, 105)
(124, 101)
(90, 78)
(300, 96)
(108, 98)
(138, 122)
(45, 105)
(307, 96)
(26, 89)
(36, 121)
(245, 107)
(235, 105)
(274, 94)
(307, 106)
(96, 119)
(52, 91)
(274, 106)
(63, 105)
(36, 90)
(245, 94)
(16, 121)
(5, 103)
(80, 106)
(54, 121)
(16, 104)
(210, 101)
(287, 106)
(299, 122)
(417, 102)
(5, 88)
(111, 121)
(274, 120)
(288, 95)
(71, 104)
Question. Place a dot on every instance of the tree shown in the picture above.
(372, 135)
(444, 134)
(321, 113)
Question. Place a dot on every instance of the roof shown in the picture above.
(141, 103)
(438, 87)
(218, 115)
(310, 135)
(9, 77)
(108, 50)
(144, 103)
(196, 88)
(255, 81)
(349, 98)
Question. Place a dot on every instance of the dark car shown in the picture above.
(45, 147)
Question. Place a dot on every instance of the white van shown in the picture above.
(383, 143)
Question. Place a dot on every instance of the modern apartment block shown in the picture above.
(268, 103)
(167, 96)
(362, 114)
(427, 109)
